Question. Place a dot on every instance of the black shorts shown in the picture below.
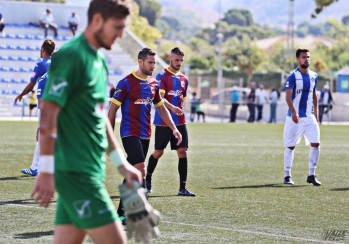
(136, 149)
(163, 135)
(31, 106)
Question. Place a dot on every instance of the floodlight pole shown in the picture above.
(220, 76)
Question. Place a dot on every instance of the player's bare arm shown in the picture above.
(165, 115)
(127, 170)
(112, 114)
(25, 91)
(294, 114)
(315, 105)
(44, 185)
(170, 106)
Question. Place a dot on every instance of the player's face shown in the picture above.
(304, 60)
(110, 30)
(148, 65)
(176, 61)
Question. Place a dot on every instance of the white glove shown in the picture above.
(142, 219)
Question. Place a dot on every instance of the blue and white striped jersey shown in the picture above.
(303, 86)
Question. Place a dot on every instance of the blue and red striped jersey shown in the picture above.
(174, 86)
(135, 96)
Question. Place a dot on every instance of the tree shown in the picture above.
(149, 9)
(240, 17)
(140, 26)
(243, 54)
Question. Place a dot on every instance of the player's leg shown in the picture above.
(182, 160)
(163, 135)
(68, 234)
(33, 170)
(108, 234)
(312, 133)
(136, 150)
(292, 134)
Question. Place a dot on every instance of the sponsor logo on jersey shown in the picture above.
(58, 86)
(183, 83)
(174, 93)
(144, 101)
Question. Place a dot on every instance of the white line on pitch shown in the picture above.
(247, 231)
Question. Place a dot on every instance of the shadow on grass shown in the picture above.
(17, 177)
(31, 235)
(256, 186)
(340, 189)
(20, 202)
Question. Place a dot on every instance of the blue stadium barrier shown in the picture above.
(15, 69)
(17, 58)
(19, 47)
(10, 92)
(33, 37)
(33, 25)
(14, 81)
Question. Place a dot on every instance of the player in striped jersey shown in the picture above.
(135, 94)
(173, 88)
(302, 116)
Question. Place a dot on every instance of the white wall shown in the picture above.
(25, 12)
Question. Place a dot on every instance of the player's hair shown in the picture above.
(118, 9)
(301, 50)
(145, 52)
(177, 51)
(49, 46)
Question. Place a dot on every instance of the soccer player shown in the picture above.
(75, 133)
(39, 76)
(173, 88)
(135, 94)
(302, 118)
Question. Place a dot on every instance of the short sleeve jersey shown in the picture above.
(77, 82)
(175, 86)
(303, 86)
(40, 75)
(135, 96)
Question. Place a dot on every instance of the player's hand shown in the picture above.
(18, 98)
(44, 189)
(295, 117)
(130, 173)
(177, 110)
(178, 135)
(142, 219)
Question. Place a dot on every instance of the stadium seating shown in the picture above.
(19, 51)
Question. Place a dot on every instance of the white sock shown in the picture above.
(35, 162)
(288, 160)
(314, 155)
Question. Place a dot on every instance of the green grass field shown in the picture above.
(236, 170)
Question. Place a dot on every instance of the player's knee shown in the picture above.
(182, 152)
(141, 168)
(315, 144)
(158, 153)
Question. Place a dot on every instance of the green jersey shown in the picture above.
(77, 83)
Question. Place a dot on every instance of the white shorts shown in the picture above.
(293, 132)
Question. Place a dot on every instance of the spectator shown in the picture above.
(235, 101)
(261, 98)
(73, 22)
(47, 21)
(32, 102)
(2, 24)
(325, 101)
(273, 98)
(193, 103)
(251, 103)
